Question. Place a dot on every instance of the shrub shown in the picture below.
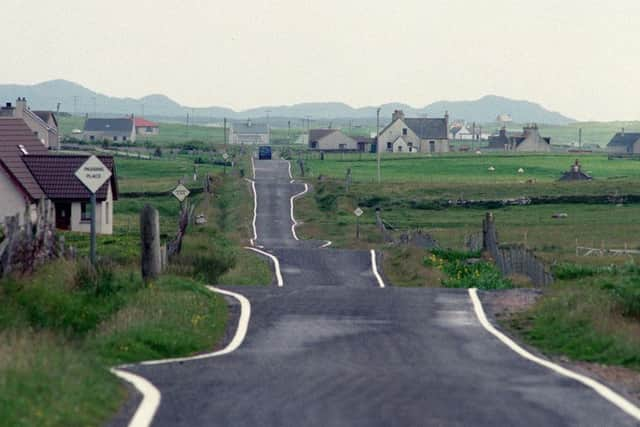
(463, 274)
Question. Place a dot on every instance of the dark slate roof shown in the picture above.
(108, 125)
(624, 139)
(250, 128)
(56, 176)
(13, 133)
(45, 115)
(428, 128)
(318, 134)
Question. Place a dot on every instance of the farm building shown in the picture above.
(624, 143)
(413, 135)
(331, 140)
(145, 127)
(527, 141)
(43, 124)
(116, 130)
(28, 173)
(249, 133)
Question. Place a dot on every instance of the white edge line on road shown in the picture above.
(150, 398)
(290, 176)
(255, 211)
(599, 388)
(276, 264)
(293, 219)
(326, 245)
(150, 394)
(253, 168)
(374, 267)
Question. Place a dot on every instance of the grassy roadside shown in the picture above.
(64, 326)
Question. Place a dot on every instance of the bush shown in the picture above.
(463, 274)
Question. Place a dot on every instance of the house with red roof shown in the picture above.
(29, 173)
(145, 127)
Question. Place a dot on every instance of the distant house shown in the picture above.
(249, 133)
(116, 130)
(145, 127)
(331, 140)
(426, 135)
(624, 143)
(29, 173)
(43, 124)
(527, 141)
(460, 131)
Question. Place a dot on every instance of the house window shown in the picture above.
(404, 131)
(124, 138)
(389, 146)
(399, 148)
(149, 130)
(85, 212)
(115, 138)
(92, 138)
(342, 146)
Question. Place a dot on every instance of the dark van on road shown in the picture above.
(264, 153)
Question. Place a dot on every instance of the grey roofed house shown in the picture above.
(624, 142)
(118, 129)
(247, 132)
(427, 128)
(317, 134)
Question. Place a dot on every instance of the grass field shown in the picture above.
(591, 313)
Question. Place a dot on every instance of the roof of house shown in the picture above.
(46, 115)
(143, 123)
(108, 125)
(56, 176)
(428, 128)
(250, 128)
(318, 134)
(624, 139)
(16, 143)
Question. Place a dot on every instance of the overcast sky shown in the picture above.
(578, 57)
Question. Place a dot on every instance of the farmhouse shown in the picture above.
(527, 141)
(28, 173)
(624, 143)
(146, 127)
(412, 135)
(331, 140)
(249, 133)
(116, 130)
(43, 124)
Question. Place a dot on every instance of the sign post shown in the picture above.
(358, 213)
(225, 157)
(93, 174)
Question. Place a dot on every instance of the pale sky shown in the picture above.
(578, 57)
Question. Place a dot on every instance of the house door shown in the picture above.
(63, 216)
(432, 146)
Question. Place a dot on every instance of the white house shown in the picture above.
(426, 135)
(28, 173)
(249, 133)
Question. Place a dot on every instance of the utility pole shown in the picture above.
(94, 106)
(75, 105)
(268, 123)
(142, 107)
(580, 138)
(378, 141)
(225, 134)
(289, 131)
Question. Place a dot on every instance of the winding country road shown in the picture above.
(331, 347)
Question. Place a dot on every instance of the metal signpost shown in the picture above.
(358, 213)
(93, 174)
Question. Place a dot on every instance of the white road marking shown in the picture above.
(599, 388)
(374, 267)
(255, 211)
(150, 398)
(253, 167)
(326, 245)
(293, 219)
(290, 176)
(276, 264)
(150, 394)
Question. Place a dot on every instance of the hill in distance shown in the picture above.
(74, 98)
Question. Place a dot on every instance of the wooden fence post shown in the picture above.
(151, 261)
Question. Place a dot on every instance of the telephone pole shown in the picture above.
(378, 141)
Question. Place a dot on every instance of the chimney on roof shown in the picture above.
(248, 122)
(397, 114)
(21, 107)
(622, 131)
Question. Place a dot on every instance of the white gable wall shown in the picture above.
(104, 216)
(13, 201)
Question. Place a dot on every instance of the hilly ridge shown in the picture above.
(74, 98)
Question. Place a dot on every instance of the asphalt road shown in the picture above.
(332, 348)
